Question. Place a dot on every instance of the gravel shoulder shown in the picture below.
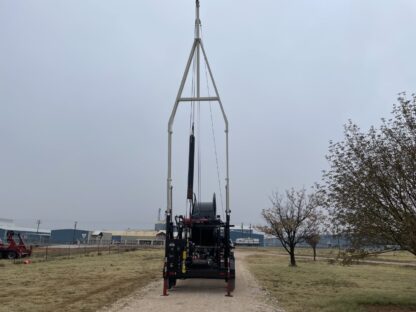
(204, 295)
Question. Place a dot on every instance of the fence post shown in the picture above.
(46, 253)
(69, 250)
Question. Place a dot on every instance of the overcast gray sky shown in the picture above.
(86, 89)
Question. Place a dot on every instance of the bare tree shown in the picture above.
(371, 183)
(313, 240)
(291, 219)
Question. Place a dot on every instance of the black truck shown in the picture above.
(200, 247)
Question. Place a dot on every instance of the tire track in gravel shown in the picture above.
(202, 295)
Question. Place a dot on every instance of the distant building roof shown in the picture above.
(246, 229)
(69, 229)
(6, 222)
(97, 233)
(12, 227)
(140, 233)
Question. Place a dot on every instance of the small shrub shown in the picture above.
(332, 261)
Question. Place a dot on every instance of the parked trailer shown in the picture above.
(13, 250)
(247, 242)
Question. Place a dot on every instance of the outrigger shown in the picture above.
(198, 244)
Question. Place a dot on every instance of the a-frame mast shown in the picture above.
(196, 50)
(178, 253)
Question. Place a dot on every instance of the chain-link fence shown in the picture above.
(49, 252)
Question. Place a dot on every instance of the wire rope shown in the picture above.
(199, 151)
(213, 136)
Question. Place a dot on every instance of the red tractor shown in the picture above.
(13, 250)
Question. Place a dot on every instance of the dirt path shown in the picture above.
(200, 295)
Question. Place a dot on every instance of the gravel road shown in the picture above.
(200, 295)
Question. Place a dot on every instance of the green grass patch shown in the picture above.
(319, 286)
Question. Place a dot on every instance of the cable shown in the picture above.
(199, 151)
(213, 137)
(199, 132)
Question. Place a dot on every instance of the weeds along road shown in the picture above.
(200, 295)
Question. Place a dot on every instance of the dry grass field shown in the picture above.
(391, 256)
(84, 283)
(320, 286)
(90, 282)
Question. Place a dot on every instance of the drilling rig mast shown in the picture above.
(197, 245)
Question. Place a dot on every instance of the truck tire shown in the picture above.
(231, 284)
(11, 255)
(172, 282)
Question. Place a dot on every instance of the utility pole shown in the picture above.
(37, 231)
(75, 228)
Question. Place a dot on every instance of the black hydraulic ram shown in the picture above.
(191, 161)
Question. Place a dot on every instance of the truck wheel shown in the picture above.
(11, 255)
(231, 284)
(172, 282)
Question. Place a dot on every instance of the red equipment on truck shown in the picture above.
(14, 250)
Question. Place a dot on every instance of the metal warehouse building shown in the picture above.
(65, 236)
(30, 235)
(143, 237)
(327, 241)
(246, 237)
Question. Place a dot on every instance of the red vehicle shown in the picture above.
(13, 250)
